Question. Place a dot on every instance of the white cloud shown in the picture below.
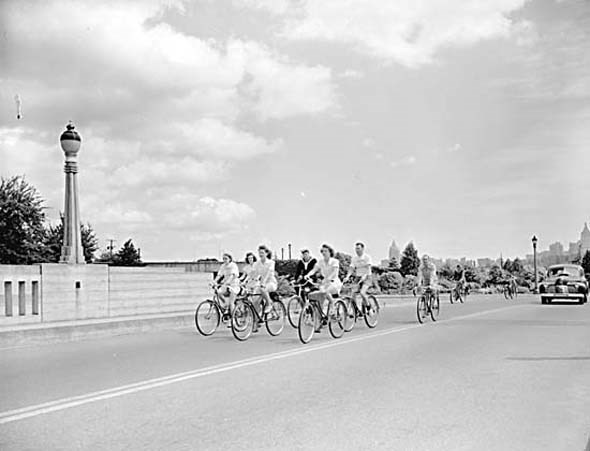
(368, 142)
(406, 161)
(406, 31)
(455, 148)
(351, 74)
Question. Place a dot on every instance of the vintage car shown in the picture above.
(564, 282)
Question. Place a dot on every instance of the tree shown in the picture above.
(410, 261)
(390, 282)
(127, 255)
(344, 260)
(495, 276)
(586, 262)
(393, 264)
(54, 238)
(21, 222)
(507, 265)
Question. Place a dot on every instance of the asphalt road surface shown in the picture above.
(490, 375)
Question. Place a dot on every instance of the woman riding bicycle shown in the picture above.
(328, 267)
(248, 276)
(264, 271)
(228, 281)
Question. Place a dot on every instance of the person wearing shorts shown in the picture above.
(360, 267)
(228, 281)
(264, 270)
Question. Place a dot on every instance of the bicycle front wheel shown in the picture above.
(506, 294)
(337, 319)
(372, 312)
(452, 296)
(207, 317)
(294, 308)
(434, 307)
(275, 320)
(307, 323)
(242, 321)
(350, 315)
(421, 308)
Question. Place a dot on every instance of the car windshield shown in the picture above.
(565, 271)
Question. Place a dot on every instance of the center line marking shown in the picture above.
(10, 416)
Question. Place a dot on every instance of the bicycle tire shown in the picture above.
(434, 307)
(307, 323)
(451, 296)
(278, 319)
(242, 321)
(506, 294)
(421, 308)
(351, 314)
(371, 312)
(294, 308)
(211, 312)
(337, 320)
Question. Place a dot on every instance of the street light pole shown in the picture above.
(71, 251)
(534, 240)
(289, 251)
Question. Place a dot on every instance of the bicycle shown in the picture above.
(458, 294)
(210, 312)
(245, 314)
(312, 318)
(297, 302)
(428, 304)
(369, 310)
(509, 292)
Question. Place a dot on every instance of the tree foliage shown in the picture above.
(128, 255)
(54, 238)
(586, 262)
(344, 260)
(410, 261)
(21, 222)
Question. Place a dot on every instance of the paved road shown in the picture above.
(491, 375)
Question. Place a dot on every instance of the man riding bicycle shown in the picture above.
(459, 278)
(360, 267)
(304, 267)
(427, 277)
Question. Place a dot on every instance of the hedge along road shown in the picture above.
(371, 379)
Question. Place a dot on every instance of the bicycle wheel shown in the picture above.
(464, 296)
(371, 312)
(294, 308)
(452, 296)
(275, 320)
(506, 294)
(421, 308)
(350, 320)
(242, 321)
(307, 322)
(207, 317)
(434, 307)
(337, 319)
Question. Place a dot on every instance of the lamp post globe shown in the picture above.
(70, 140)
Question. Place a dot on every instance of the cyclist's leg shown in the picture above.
(364, 291)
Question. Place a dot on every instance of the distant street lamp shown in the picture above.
(71, 251)
(534, 240)
(289, 251)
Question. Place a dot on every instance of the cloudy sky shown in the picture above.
(463, 125)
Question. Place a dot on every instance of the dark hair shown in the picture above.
(231, 259)
(359, 243)
(329, 248)
(250, 254)
(262, 247)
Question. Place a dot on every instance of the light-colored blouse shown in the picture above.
(329, 271)
(266, 271)
(227, 271)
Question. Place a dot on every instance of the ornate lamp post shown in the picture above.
(71, 251)
(534, 240)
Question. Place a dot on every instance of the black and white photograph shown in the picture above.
(251, 225)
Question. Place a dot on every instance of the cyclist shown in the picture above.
(248, 276)
(328, 267)
(264, 271)
(427, 275)
(360, 267)
(228, 281)
(459, 278)
(512, 286)
(304, 267)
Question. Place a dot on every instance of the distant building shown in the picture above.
(556, 248)
(584, 240)
(485, 262)
(394, 252)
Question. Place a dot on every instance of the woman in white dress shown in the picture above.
(249, 272)
(264, 271)
(328, 267)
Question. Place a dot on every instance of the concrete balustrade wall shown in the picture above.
(58, 292)
(155, 290)
(20, 294)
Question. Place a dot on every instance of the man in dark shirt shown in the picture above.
(304, 266)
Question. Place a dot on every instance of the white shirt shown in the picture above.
(228, 270)
(266, 271)
(329, 271)
(362, 265)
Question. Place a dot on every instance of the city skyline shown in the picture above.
(213, 126)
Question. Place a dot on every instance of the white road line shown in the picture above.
(10, 416)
